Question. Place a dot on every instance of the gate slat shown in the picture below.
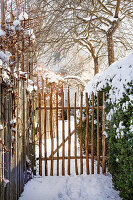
(45, 137)
(92, 136)
(87, 132)
(63, 137)
(103, 138)
(40, 136)
(69, 141)
(81, 143)
(57, 133)
(98, 153)
(51, 135)
(75, 144)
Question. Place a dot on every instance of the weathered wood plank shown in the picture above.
(51, 135)
(81, 139)
(57, 136)
(45, 137)
(87, 132)
(92, 136)
(98, 139)
(63, 137)
(40, 137)
(73, 157)
(103, 138)
(69, 141)
(75, 139)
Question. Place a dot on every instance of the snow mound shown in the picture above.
(117, 76)
(23, 16)
(4, 57)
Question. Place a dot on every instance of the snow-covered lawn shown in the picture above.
(82, 187)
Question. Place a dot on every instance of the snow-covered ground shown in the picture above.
(81, 187)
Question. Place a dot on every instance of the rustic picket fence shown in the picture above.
(90, 112)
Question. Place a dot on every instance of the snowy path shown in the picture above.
(83, 187)
(92, 187)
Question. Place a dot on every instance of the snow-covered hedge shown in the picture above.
(117, 82)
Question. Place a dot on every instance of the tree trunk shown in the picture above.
(110, 46)
(96, 70)
(2, 14)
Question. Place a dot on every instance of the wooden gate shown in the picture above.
(87, 137)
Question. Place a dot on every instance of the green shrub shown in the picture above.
(120, 143)
(117, 84)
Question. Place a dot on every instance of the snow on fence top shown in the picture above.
(117, 76)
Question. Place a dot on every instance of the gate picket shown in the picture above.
(81, 143)
(75, 144)
(98, 153)
(103, 138)
(40, 136)
(69, 141)
(92, 136)
(51, 135)
(57, 136)
(87, 132)
(63, 137)
(45, 137)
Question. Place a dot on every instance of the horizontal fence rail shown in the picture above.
(81, 144)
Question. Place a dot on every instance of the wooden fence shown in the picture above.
(89, 126)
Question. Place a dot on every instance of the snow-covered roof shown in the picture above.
(79, 79)
(52, 77)
(117, 76)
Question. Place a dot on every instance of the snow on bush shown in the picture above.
(16, 23)
(23, 16)
(2, 33)
(117, 77)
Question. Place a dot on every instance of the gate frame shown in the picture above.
(89, 111)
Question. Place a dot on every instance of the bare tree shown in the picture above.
(91, 24)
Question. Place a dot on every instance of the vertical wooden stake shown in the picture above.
(45, 137)
(92, 136)
(63, 137)
(69, 141)
(51, 135)
(40, 137)
(75, 144)
(103, 138)
(98, 153)
(81, 135)
(87, 132)
(57, 133)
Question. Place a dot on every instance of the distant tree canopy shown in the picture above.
(103, 28)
